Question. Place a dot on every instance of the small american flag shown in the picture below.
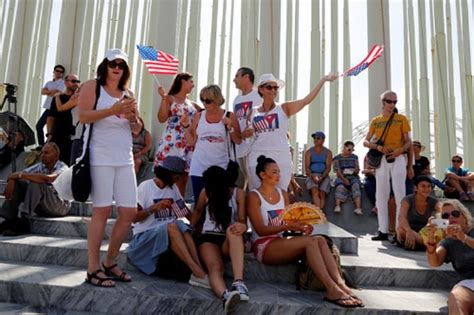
(179, 208)
(157, 61)
(375, 52)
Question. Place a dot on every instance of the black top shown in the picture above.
(63, 127)
(420, 165)
(461, 255)
(416, 220)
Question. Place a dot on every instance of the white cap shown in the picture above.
(269, 77)
(116, 53)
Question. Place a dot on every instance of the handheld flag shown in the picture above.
(157, 61)
(375, 52)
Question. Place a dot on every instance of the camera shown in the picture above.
(441, 223)
(10, 88)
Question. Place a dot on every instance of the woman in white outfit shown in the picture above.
(111, 160)
(269, 126)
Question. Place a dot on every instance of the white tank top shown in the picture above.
(111, 142)
(270, 213)
(209, 224)
(270, 130)
(211, 146)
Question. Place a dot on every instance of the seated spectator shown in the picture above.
(317, 162)
(141, 147)
(265, 204)
(346, 167)
(6, 146)
(457, 248)
(33, 189)
(369, 183)
(422, 164)
(415, 211)
(158, 234)
(222, 232)
(461, 179)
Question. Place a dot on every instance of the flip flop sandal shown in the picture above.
(358, 300)
(99, 281)
(108, 271)
(339, 302)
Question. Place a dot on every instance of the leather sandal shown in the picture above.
(94, 279)
(108, 272)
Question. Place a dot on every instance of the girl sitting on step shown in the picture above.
(265, 204)
(222, 232)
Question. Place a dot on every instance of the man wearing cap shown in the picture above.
(243, 107)
(50, 89)
(269, 127)
(59, 123)
(394, 162)
(161, 242)
(317, 162)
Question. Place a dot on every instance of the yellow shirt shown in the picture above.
(394, 134)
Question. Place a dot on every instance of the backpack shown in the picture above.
(305, 277)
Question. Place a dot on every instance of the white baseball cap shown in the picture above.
(269, 77)
(116, 53)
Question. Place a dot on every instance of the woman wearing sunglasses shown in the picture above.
(208, 133)
(173, 106)
(269, 124)
(111, 160)
(457, 248)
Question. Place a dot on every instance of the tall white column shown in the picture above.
(334, 87)
(413, 114)
(270, 30)
(346, 93)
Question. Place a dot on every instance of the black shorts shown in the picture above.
(214, 238)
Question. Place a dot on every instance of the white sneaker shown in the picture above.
(200, 282)
(337, 209)
(358, 211)
(240, 287)
(230, 300)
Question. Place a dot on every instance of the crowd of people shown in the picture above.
(240, 167)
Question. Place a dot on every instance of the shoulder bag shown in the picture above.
(374, 156)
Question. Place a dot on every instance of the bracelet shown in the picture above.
(465, 238)
(431, 244)
(150, 210)
(186, 127)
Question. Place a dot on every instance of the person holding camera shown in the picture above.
(394, 164)
(457, 248)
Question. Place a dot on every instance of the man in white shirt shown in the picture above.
(50, 89)
(243, 106)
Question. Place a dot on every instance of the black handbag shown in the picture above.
(81, 182)
(232, 165)
(374, 156)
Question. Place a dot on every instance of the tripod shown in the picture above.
(10, 98)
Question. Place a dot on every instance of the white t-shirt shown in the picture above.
(53, 85)
(111, 142)
(243, 106)
(148, 194)
(270, 130)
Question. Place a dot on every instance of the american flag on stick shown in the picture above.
(375, 52)
(157, 61)
(179, 208)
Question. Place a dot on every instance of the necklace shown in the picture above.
(267, 111)
(269, 196)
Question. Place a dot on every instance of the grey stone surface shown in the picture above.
(62, 287)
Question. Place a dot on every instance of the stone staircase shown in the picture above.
(44, 272)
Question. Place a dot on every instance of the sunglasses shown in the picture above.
(271, 87)
(350, 149)
(456, 161)
(389, 101)
(114, 64)
(454, 213)
(206, 101)
(75, 81)
(59, 71)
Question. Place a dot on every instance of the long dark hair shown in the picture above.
(102, 75)
(177, 84)
(218, 192)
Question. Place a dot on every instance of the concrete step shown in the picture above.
(61, 287)
(74, 226)
(366, 270)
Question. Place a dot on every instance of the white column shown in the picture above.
(67, 34)
(346, 94)
(193, 44)
(413, 114)
(270, 30)
(222, 45)
(212, 49)
(334, 86)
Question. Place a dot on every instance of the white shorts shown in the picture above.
(467, 283)
(114, 183)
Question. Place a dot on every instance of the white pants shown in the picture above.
(282, 158)
(114, 183)
(397, 171)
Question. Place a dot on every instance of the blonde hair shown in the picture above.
(459, 206)
(212, 92)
